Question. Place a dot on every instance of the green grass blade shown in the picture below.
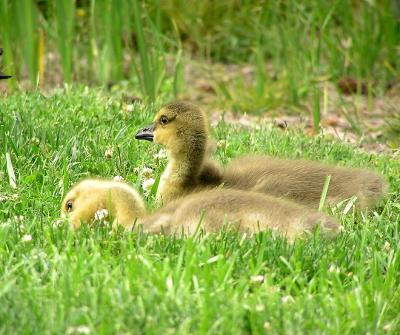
(324, 192)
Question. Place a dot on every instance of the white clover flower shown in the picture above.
(260, 307)
(109, 152)
(59, 222)
(222, 144)
(26, 238)
(334, 268)
(214, 259)
(257, 279)
(267, 325)
(101, 214)
(162, 154)
(287, 298)
(387, 327)
(130, 108)
(146, 172)
(84, 330)
(118, 178)
(386, 246)
(35, 141)
(148, 184)
(18, 218)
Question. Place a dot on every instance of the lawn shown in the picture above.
(98, 281)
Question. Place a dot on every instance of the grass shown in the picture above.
(130, 39)
(96, 281)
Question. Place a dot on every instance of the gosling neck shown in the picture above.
(185, 164)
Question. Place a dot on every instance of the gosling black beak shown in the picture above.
(146, 133)
(3, 76)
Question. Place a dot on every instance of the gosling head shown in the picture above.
(179, 126)
(3, 76)
(92, 197)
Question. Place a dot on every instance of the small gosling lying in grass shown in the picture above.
(182, 128)
(213, 209)
(89, 196)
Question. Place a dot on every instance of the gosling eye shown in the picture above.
(163, 120)
(68, 206)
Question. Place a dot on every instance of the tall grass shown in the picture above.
(6, 36)
(152, 63)
(65, 22)
(26, 16)
(100, 42)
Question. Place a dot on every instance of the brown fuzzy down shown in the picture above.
(303, 181)
(211, 211)
(190, 168)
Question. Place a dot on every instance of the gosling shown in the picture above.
(182, 128)
(89, 196)
(210, 210)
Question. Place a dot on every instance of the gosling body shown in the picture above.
(303, 181)
(185, 136)
(208, 210)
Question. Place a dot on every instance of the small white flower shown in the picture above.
(214, 259)
(85, 330)
(35, 141)
(334, 268)
(260, 308)
(109, 152)
(9, 197)
(130, 108)
(257, 279)
(26, 238)
(386, 246)
(346, 42)
(267, 325)
(287, 298)
(148, 184)
(59, 222)
(146, 172)
(101, 214)
(170, 283)
(387, 327)
(18, 218)
(162, 154)
(118, 178)
(222, 144)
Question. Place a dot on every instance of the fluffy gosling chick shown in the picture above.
(89, 196)
(182, 128)
(245, 211)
